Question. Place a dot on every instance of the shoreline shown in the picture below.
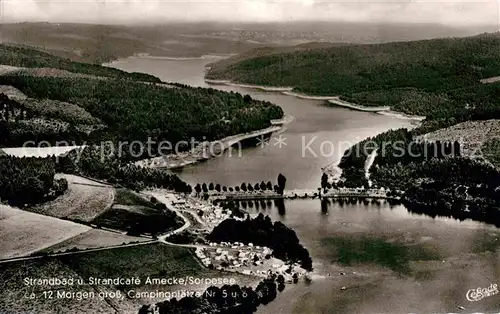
(264, 88)
(205, 150)
(334, 100)
(401, 115)
(333, 171)
(309, 97)
(342, 103)
(146, 56)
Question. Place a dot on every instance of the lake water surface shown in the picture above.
(372, 258)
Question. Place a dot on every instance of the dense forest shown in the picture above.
(21, 56)
(261, 231)
(432, 177)
(91, 103)
(438, 78)
(228, 299)
(48, 121)
(28, 181)
(455, 187)
(135, 111)
(397, 146)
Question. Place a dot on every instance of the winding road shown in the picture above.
(160, 196)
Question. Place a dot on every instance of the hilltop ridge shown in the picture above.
(434, 77)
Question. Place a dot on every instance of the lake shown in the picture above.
(316, 138)
(373, 258)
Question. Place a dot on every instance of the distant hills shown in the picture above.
(103, 43)
(438, 78)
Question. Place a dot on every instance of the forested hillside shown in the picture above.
(19, 56)
(134, 111)
(105, 163)
(431, 177)
(437, 77)
(27, 119)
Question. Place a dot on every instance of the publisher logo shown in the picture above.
(477, 294)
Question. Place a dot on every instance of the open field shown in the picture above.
(490, 80)
(471, 135)
(22, 232)
(4, 69)
(132, 209)
(92, 239)
(119, 217)
(84, 200)
(136, 214)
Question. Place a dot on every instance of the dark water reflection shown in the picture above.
(390, 260)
